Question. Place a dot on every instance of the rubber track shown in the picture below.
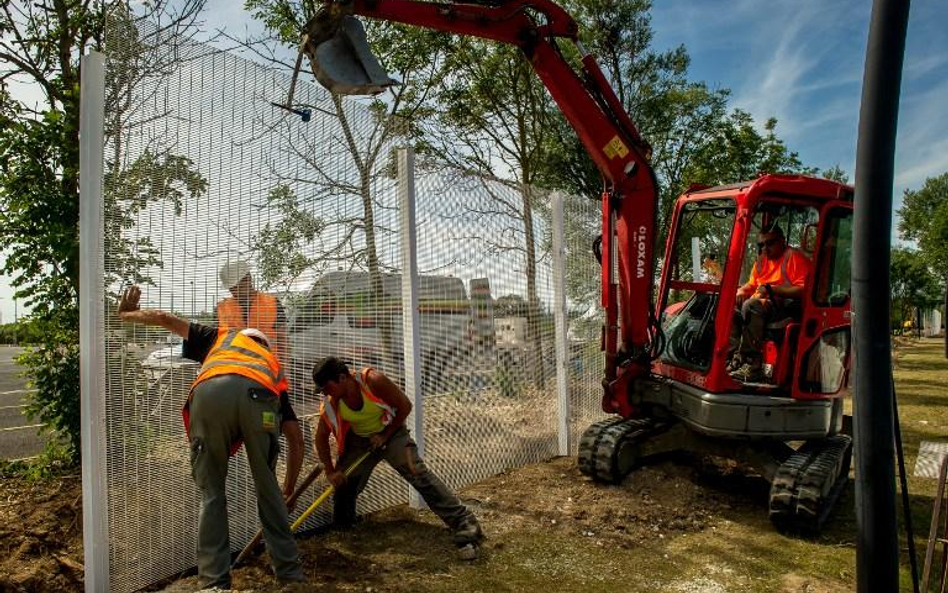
(601, 442)
(589, 444)
(807, 485)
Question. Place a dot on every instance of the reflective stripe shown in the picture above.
(238, 363)
(247, 352)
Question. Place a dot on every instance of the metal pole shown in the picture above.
(411, 323)
(877, 551)
(95, 504)
(560, 323)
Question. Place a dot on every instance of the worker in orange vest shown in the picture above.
(239, 396)
(249, 307)
(367, 412)
(772, 292)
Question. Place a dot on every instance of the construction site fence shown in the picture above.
(477, 296)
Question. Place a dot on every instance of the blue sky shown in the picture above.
(800, 61)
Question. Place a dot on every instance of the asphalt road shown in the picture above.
(18, 435)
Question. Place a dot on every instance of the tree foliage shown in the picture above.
(41, 44)
(924, 219)
(913, 284)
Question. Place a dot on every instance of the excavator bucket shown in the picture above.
(340, 55)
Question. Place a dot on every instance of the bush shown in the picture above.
(53, 370)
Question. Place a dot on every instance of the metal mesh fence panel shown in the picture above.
(202, 173)
(582, 221)
(488, 364)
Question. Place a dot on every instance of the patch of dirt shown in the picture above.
(546, 519)
(652, 503)
(41, 535)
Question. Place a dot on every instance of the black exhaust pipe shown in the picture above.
(877, 551)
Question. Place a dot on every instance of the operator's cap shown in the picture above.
(233, 272)
(256, 334)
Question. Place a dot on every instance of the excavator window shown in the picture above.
(698, 260)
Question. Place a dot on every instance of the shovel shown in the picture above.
(322, 497)
(306, 483)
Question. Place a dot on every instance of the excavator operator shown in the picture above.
(772, 292)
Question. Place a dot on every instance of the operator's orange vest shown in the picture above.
(262, 315)
(338, 426)
(236, 354)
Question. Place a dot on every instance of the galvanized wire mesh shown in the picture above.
(201, 170)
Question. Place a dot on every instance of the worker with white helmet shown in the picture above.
(249, 307)
(239, 397)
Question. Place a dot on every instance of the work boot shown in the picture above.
(749, 373)
(467, 538)
(733, 364)
(469, 552)
(469, 532)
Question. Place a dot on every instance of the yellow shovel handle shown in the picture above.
(322, 497)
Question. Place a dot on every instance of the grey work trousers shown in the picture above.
(401, 454)
(750, 322)
(224, 409)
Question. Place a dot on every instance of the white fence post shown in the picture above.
(95, 505)
(560, 323)
(411, 329)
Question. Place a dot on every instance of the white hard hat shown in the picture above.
(233, 272)
(252, 332)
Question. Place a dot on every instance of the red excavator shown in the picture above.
(666, 363)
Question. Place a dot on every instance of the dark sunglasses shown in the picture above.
(767, 243)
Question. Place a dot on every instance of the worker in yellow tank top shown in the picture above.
(367, 412)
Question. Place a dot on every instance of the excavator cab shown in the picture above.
(690, 402)
(712, 247)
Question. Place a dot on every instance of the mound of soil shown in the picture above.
(41, 535)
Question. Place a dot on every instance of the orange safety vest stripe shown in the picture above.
(790, 270)
(338, 426)
(236, 354)
(262, 314)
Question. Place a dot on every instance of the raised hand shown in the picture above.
(129, 302)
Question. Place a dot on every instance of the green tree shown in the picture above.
(411, 55)
(923, 218)
(737, 151)
(836, 173)
(913, 285)
(41, 44)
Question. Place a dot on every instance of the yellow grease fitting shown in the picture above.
(615, 148)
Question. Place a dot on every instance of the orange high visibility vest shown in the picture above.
(262, 315)
(790, 270)
(236, 354)
(338, 426)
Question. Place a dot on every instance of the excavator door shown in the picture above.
(821, 368)
(340, 55)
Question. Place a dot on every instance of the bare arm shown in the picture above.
(387, 391)
(294, 455)
(129, 311)
(321, 441)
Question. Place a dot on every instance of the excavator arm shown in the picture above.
(587, 101)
